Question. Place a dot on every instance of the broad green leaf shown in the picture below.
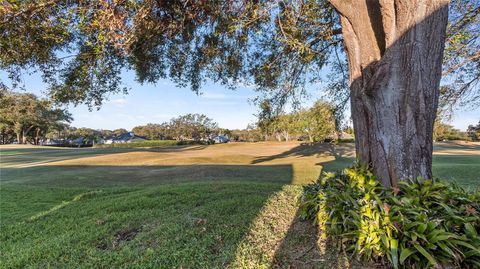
(394, 252)
(425, 254)
(421, 227)
(465, 244)
(446, 249)
(405, 253)
(470, 230)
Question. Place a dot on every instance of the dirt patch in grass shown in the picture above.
(120, 236)
(126, 235)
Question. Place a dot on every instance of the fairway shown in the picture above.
(218, 206)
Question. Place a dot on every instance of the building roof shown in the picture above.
(128, 136)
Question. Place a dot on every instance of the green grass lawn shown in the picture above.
(220, 206)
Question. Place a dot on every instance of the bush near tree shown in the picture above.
(421, 223)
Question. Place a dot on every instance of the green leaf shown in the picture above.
(470, 231)
(425, 254)
(405, 253)
(465, 244)
(434, 234)
(441, 237)
(394, 252)
(421, 228)
(446, 249)
(414, 237)
(431, 226)
(471, 253)
(411, 225)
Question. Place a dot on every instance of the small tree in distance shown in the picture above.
(318, 122)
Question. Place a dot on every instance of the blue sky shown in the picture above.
(160, 102)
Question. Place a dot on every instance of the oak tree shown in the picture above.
(394, 50)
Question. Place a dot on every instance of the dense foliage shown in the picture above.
(189, 126)
(152, 131)
(250, 134)
(443, 132)
(461, 65)
(473, 131)
(26, 118)
(82, 47)
(419, 224)
(314, 124)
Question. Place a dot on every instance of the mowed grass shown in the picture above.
(218, 206)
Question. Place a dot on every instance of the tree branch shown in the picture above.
(30, 9)
(473, 57)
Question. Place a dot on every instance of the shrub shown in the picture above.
(419, 224)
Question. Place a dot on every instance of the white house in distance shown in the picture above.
(128, 137)
(125, 138)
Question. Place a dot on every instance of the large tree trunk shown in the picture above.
(395, 50)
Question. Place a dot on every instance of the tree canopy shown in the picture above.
(82, 47)
(315, 124)
(25, 117)
(189, 126)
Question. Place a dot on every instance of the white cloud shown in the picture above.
(120, 102)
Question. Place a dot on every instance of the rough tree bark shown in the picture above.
(395, 50)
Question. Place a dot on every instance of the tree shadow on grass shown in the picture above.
(343, 156)
(311, 149)
(32, 155)
(190, 216)
(304, 246)
(97, 176)
(279, 239)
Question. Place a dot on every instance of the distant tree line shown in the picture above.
(315, 124)
(186, 127)
(89, 136)
(444, 132)
(26, 118)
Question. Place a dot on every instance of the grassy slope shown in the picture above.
(192, 207)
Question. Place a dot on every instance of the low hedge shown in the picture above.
(419, 224)
(150, 143)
